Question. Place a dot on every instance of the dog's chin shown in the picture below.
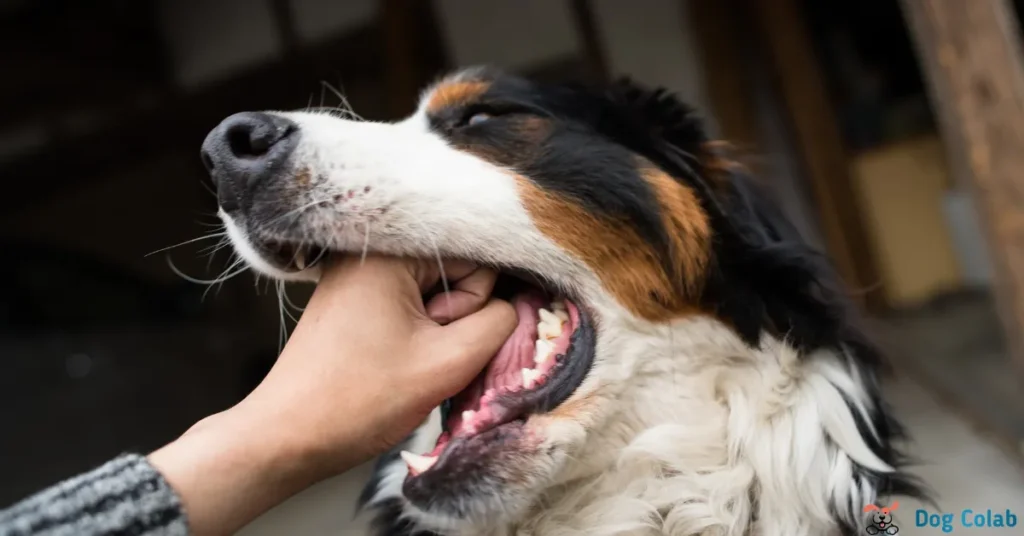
(500, 443)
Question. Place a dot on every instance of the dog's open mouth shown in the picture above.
(537, 369)
(540, 365)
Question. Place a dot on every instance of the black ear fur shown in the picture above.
(764, 277)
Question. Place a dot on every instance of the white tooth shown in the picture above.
(468, 415)
(548, 317)
(548, 331)
(530, 377)
(558, 306)
(543, 352)
(417, 463)
(300, 260)
(562, 315)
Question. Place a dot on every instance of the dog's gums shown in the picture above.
(529, 359)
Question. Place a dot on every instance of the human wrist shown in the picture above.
(227, 473)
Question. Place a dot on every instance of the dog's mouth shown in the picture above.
(537, 369)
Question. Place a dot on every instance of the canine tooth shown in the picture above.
(562, 315)
(547, 316)
(417, 463)
(468, 415)
(300, 260)
(543, 352)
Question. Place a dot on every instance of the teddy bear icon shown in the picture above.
(881, 520)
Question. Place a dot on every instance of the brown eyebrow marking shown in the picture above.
(452, 94)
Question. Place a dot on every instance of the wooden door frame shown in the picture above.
(778, 28)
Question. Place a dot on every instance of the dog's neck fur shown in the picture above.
(722, 439)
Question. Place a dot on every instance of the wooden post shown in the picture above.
(971, 54)
(822, 147)
(720, 29)
(413, 48)
(591, 48)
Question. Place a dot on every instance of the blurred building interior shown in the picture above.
(107, 101)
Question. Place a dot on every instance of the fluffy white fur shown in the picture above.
(685, 429)
(701, 426)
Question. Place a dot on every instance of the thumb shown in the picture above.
(469, 343)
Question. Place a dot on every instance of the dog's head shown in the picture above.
(609, 213)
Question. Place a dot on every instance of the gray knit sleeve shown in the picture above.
(126, 496)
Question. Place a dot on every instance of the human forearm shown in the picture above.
(231, 467)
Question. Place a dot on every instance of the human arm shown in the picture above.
(365, 365)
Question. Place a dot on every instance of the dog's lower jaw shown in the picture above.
(707, 436)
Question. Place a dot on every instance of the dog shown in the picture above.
(881, 520)
(684, 363)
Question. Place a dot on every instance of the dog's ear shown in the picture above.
(765, 277)
(895, 505)
(870, 507)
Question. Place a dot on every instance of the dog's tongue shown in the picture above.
(504, 371)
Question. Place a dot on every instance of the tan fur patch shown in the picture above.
(687, 225)
(627, 266)
(452, 94)
(303, 177)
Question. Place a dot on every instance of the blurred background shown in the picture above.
(874, 122)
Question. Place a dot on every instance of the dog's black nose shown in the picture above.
(244, 150)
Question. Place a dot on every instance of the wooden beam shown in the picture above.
(591, 46)
(413, 49)
(720, 28)
(822, 147)
(139, 130)
(971, 53)
(284, 21)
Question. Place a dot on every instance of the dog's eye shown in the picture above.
(477, 118)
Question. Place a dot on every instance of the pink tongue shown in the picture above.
(518, 351)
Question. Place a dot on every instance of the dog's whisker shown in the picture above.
(366, 243)
(190, 241)
(282, 330)
(345, 107)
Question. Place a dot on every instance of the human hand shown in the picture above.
(365, 365)
(369, 358)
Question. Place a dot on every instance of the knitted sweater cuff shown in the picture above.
(124, 496)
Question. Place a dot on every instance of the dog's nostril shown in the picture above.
(207, 161)
(247, 141)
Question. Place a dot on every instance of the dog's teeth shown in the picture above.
(558, 306)
(562, 315)
(547, 330)
(300, 260)
(417, 463)
(547, 316)
(543, 351)
(530, 377)
(468, 415)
